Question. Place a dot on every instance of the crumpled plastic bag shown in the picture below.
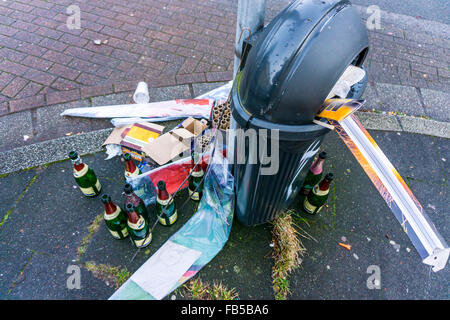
(207, 231)
(350, 77)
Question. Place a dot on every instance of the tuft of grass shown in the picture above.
(113, 276)
(287, 252)
(92, 229)
(198, 290)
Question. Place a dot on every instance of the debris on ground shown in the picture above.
(286, 253)
(345, 246)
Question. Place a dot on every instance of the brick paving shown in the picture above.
(163, 42)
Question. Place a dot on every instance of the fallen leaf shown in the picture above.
(344, 245)
(22, 231)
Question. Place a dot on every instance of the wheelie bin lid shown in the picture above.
(297, 59)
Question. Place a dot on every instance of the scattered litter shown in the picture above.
(236, 269)
(443, 159)
(271, 245)
(387, 236)
(408, 249)
(355, 256)
(74, 187)
(99, 42)
(368, 239)
(432, 207)
(344, 239)
(69, 134)
(328, 267)
(395, 245)
(25, 137)
(174, 297)
(344, 245)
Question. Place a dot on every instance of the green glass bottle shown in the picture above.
(137, 202)
(131, 170)
(314, 174)
(316, 199)
(196, 179)
(115, 218)
(163, 199)
(84, 176)
(138, 228)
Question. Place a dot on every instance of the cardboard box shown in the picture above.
(134, 137)
(171, 144)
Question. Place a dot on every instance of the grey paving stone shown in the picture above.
(436, 104)
(399, 98)
(12, 262)
(50, 124)
(429, 127)
(201, 88)
(13, 127)
(169, 93)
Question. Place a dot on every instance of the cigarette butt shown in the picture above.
(344, 245)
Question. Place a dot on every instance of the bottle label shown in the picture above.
(116, 234)
(197, 174)
(308, 206)
(164, 202)
(82, 172)
(172, 219)
(194, 195)
(144, 242)
(113, 215)
(138, 225)
(129, 174)
(320, 192)
(90, 191)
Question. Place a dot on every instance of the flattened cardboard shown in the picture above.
(168, 146)
(119, 136)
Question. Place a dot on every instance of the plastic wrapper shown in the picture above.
(206, 232)
(219, 94)
(180, 108)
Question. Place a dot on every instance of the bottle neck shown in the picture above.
(317, 166)
(110, 208)
(324, 184)
(130, 166)
(133, 217)
(163, 194)
(78, 164)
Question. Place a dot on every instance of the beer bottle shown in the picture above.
(131, 170)
(115, 218)
(138, 228)
(318, 196)
(196, 179)
(134, 199)
(314, 174)
(163, 199)
(84, 176)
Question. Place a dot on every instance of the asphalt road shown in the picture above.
(435, 10)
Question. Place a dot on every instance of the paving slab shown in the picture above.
(13, 128)
(399, 98)
(436, 104)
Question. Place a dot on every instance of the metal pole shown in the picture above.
(250, 15)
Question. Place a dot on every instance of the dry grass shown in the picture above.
(197, 290)
(287, 252)
(113, 276)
